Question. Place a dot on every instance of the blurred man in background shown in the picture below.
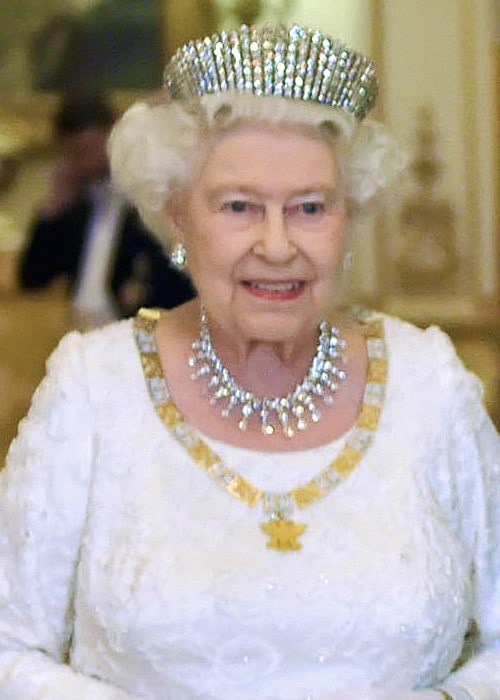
(86, 233)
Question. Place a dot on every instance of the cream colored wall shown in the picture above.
(19, 202)
(484, 106)
(347, 19)
(438, 54)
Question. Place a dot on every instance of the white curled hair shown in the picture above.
(155, 148)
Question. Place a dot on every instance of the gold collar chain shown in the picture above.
(277, 507)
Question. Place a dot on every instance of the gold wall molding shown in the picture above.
(439, 54)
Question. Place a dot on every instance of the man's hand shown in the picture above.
(67, 184)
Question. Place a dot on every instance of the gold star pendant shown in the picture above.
(283, 534)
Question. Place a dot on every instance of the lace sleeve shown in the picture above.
(43, 495)
(475, 461)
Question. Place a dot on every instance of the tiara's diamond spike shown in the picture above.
(223, 43)
(268, 59)
(246, 59)
(193, 76)
(301, 69)
(279, 68)
(290, 63)
(220, 62)
(297, 63)
(205, 50)
(214, 63)
(317, 67)
(254, 46)
(338, 90)
(329, 76)
(311, 65)
(236, 60)
(201, 72)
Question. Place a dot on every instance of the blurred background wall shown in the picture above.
(433, 256)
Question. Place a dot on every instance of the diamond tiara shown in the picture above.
(294, 62)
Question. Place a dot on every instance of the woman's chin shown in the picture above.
(254, 318)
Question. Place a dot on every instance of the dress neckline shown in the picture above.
(355, 442)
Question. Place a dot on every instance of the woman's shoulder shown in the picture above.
(113, 334)
(427, 357)
(100, 343)
(84, 355)
(403, 336)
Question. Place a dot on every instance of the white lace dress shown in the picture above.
(126, 571)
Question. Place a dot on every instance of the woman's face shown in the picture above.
(263, 223)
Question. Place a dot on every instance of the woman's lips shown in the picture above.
(282, 290)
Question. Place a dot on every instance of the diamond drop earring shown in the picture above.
(178, 256)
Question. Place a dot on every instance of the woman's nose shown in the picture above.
(274, 240)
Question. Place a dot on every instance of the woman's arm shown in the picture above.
(43, 502)
(474, 465)
(480, 675)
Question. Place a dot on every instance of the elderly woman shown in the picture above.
(257, 495)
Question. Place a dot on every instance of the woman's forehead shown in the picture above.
(262, 129)
(248, 151)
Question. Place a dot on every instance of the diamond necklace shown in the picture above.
(293, 412)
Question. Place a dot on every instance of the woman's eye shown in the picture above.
(237, 206)
(312, 207)
(307, 208)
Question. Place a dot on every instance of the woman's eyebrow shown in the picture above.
(327, 190)
(216, 193)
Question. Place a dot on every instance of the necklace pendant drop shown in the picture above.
(283, 534)
(282, 530)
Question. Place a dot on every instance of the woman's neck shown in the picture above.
(263, 372)
(266, 369)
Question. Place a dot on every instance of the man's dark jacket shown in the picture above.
(55, 248)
